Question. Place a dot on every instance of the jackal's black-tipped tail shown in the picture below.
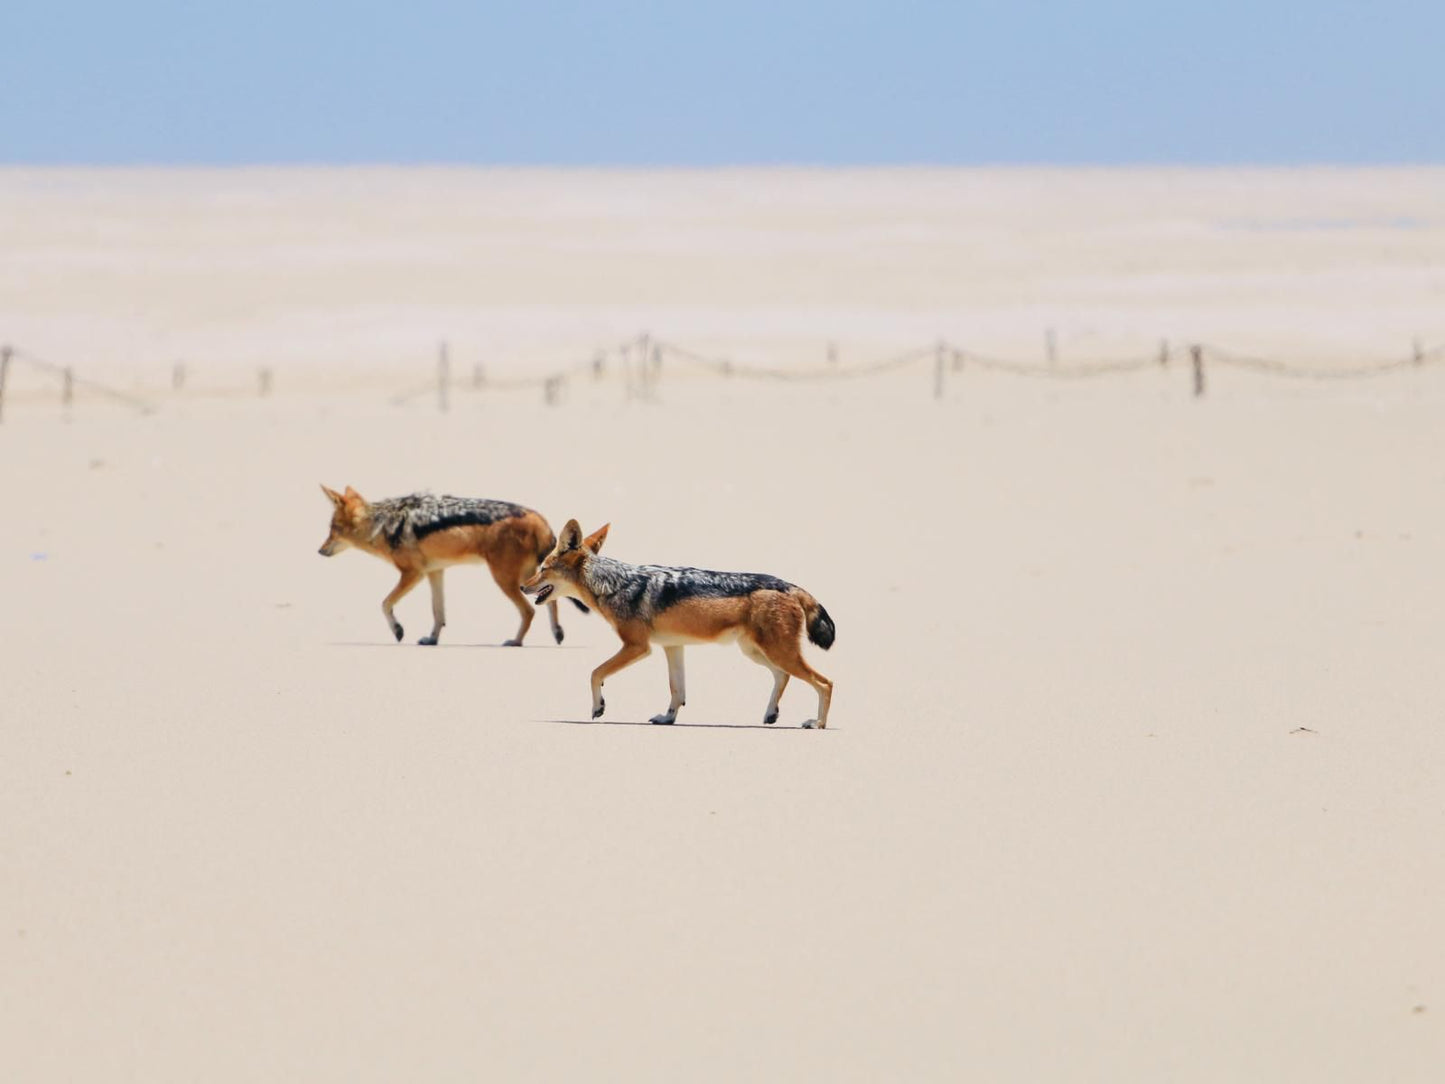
(820, 626)
(579, 604)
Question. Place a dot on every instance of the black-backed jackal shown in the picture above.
(674, 607)
(423, 535)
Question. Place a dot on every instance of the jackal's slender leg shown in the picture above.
(789, 656)
(780, 680)
(409, 579)
(438, 607)
(508, 581)
(675, 685)
(631, 651)
(557, 633)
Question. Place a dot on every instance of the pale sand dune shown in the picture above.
(1134, 771)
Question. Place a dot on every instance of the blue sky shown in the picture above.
(700, 84)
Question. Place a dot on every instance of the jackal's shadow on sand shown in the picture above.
(469, 647)
(668, 726)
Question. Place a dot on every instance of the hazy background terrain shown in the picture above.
(346, 272)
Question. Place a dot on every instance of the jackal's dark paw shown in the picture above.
(398, 632)
(770, 718)
(664, 719)
(512, 643)
(428, 641)
(599, 709)
(558, 634)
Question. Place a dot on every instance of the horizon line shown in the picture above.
(695, 167)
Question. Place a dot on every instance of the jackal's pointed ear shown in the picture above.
(594, 540)
(571, 536)
(352, 496)
(334, 496)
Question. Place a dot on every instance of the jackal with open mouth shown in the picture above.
(674, 607)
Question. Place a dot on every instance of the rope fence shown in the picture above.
(1419, 356)
(727, 367)
(68, 381)
(1055, 371)
(642, 360)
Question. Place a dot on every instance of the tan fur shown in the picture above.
(508, 547)
(767, 625)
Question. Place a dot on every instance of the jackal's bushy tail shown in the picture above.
(820, 625)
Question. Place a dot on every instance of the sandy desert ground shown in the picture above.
(1135, 764)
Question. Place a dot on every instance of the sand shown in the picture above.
(1134, 766)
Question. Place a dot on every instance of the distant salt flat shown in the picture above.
(130, 271)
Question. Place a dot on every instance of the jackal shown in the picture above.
(674, 607)
(423, 535)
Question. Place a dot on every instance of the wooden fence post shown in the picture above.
(178, 376)
(444, 377)
(479, 375)
(1051, 347)
(1196, 357)
(263, 383)
(1419, 353)
(938, 352)
(5, 355)
(1163, 351)
(67, 389)
(644, 373)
